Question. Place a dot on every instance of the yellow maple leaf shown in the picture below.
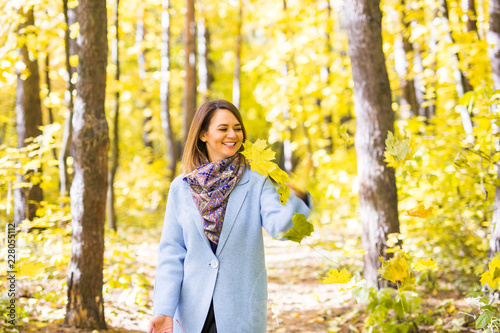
(422, 265)
(394, 269)
(419, 211)
(492, 276)
(259, 156)
(334, 276)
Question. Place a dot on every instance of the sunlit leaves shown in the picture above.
(353, 253)
(74, 30)
(301, 228)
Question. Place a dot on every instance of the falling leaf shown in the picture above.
(31, 270)
(423, 265)
(419, 211)
(394, 269)
(301, 228)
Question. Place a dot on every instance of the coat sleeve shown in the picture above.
(276, 218)
(170, 268)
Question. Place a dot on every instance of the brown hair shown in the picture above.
(195, 151)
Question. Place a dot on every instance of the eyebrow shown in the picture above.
(228, 125)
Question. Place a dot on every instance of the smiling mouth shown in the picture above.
(229, 144)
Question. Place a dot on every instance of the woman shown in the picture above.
(211, 274)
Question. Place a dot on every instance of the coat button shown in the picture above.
(214, 263)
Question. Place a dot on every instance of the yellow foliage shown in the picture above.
(492, 276)
(394, 269)
(422, 265)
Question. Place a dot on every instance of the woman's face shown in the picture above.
(224, 136)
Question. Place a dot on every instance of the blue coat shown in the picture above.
(189, 275)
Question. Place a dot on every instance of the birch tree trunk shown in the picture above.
(190, 66)
(374, 118)
(28, 119)
(237, 60)
(115, 153)
(85, 307)
(143, 101)
(165, 90)
(493, 40)
(205, 66)
(69, 49)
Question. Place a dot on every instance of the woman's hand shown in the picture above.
(297, 192)
(161, 324)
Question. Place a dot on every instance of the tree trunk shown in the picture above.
(204, 71)
(325, 79)
(190, 81)
(47, 82)
(165, 90)
(70, 49)
(85, 307)
(374, 118)
(115, 153)
(469, 8)
(402, 48)
(28, 119)
(143, 101)
(287, 145)
(237, 60)
(493, 39)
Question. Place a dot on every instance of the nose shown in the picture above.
(231, 133)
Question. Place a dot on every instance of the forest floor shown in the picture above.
(304, 303)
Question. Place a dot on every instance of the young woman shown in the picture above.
(211, 274)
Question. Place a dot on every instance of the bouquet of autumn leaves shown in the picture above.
(260, 158)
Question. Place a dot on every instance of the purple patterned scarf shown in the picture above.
(210, 186)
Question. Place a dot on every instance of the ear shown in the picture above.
(203, 136)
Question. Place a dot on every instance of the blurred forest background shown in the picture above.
(385, 112)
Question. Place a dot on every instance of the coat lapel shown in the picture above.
(234, 204)
(195, 215)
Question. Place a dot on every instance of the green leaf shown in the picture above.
(301, 228)
(483, 320)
